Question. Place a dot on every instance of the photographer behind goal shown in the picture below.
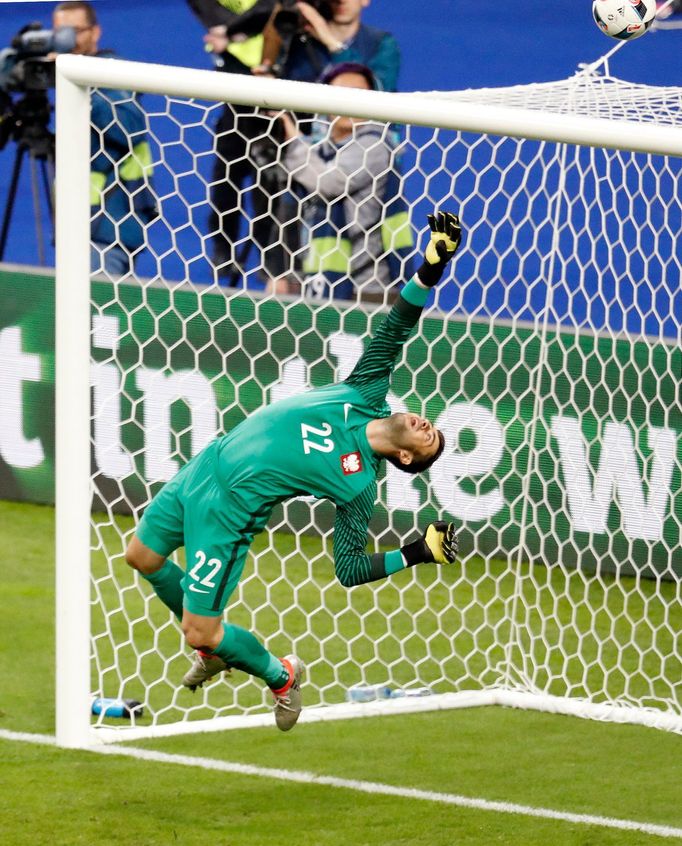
(302, 42)
(303, 39)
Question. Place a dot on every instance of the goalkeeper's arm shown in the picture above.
(353, 566)
(372, 373)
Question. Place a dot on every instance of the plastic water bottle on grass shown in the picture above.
(125, 708)
(411, 692)
(368, 692)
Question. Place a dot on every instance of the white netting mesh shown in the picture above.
(551, 361)
(587, 93)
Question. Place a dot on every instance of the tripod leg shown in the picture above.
(36, 208)
(47, 173)
(11, 197)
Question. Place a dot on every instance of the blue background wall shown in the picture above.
(445, 45)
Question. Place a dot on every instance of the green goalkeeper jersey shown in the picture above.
(315, 444)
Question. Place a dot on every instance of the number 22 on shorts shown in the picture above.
(214, 564)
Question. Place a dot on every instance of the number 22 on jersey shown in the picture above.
(315, 438)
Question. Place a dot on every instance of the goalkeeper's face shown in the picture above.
(417, 441)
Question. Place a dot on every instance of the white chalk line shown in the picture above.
(372, 787)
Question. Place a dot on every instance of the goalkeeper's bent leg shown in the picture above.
(167, 584)
(242, 650)
(234, 646)
(162, 574)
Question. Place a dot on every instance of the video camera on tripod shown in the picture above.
(27, 70)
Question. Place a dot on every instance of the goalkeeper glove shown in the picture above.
(446, 234)
(438, 544)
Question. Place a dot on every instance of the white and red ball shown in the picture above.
(624, 19)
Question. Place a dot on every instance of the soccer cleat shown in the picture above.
(288, 698)
(205, 666)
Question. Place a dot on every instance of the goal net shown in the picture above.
(550, 358)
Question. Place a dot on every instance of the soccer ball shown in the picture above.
(624, 19)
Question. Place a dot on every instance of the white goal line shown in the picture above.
(371, 787)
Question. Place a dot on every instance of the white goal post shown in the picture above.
(567, 596)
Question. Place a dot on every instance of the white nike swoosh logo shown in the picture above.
(346, 408)
(197, 590)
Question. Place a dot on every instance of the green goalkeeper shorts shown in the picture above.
(193, 510)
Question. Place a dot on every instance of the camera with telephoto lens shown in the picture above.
(288, 20)
(26, 70)
(289, 24)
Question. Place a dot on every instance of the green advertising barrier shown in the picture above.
(563, 449)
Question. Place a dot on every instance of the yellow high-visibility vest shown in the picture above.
(136, 165)
(250, 51)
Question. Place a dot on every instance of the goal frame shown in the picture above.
(74, 77)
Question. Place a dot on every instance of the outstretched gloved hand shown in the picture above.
(438, 544)
(446, 236)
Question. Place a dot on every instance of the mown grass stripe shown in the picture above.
(304, 777)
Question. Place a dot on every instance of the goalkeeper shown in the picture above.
(328, 442)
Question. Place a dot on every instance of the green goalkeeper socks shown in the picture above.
(238, 648)
(242, 650)
(167, 584)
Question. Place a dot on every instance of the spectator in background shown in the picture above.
(237, 32)
(120, 198)
(343, 38)
(358, 231)
(320, 41)
(234, 37)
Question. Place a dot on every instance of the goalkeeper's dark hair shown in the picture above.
(424, 464)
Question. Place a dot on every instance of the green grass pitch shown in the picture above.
(58, 797)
